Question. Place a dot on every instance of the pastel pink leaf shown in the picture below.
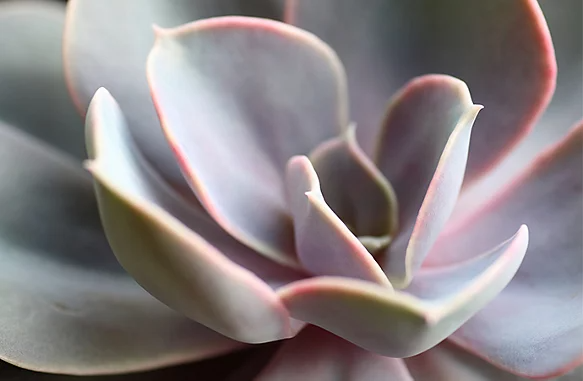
(237, 97)
(317, 355)
(325, 246)
(438, 204)
(419, 120)
(399, 324)
(166, 257)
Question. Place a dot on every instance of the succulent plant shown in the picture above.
(285, 190)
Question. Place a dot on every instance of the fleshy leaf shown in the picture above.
(67, 306)
(171, 261)
(398, 324)
(33, 95)
(419, 120)
(438, 204)
(565, 107)
(355, 189)
(549, 284)
(325, 246)
(446, 362)
(106, 44)
(440, 282)
(237, 97)
(501, 49)
(566, 27)
(218, 368)
(319, 355)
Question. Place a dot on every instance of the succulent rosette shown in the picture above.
(285, 190)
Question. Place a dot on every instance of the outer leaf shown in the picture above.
(237, 98)
(325, 246)
(566, 27)
(501, 49)
(215, 369)
(66, 306)
(33, 96)
(549, 284)
(172, 262)
(438, 203)
(317, 355)
(446, 362)
(106, 45)
(396, 324)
